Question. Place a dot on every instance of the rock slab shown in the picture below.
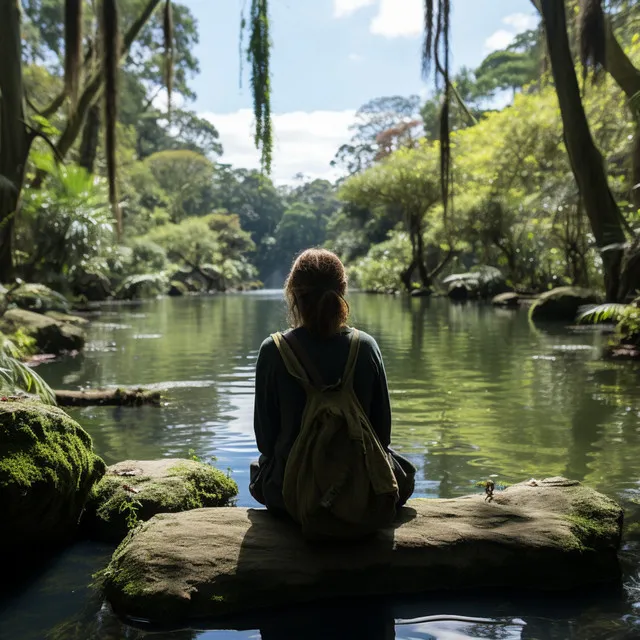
(552, 535)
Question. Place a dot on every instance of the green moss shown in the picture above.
(595, 521)
(47, 469)
(187, 485)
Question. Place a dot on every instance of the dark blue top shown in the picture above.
(280, 398)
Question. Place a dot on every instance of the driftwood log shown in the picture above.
(111, 397)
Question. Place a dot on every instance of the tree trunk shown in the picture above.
(627, 77)
(14, 137)
(586, 161)
(89, 142)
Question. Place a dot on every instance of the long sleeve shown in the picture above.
(380, 403)
(266, 418)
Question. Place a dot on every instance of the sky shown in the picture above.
(329, 57)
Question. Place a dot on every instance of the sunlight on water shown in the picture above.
(476, 393)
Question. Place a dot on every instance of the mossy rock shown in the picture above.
(50, 335)
(77, 321)
(561, 304)
(47, 470)
(38, 298)
(135, 490)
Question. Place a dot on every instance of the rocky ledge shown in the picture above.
(553, 534)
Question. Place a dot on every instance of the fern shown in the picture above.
(17, 376)
(609, 313)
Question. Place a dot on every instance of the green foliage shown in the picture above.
(186, 179)
(130, 508)
(65, 226)
(15, 375)
(380, 270)
(610, 313)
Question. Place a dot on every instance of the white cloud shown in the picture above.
(356, 57)
(498, 40)
(502, 38)
(397, 18)
(521, 21)
(343, 8)
(305, 141)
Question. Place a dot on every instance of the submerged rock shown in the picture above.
(551, 534)
(51, 335)
(135, 490)
(561, 304)
(47, 469)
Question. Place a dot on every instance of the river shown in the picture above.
(476, 392)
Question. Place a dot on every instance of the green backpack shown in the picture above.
(338, 480)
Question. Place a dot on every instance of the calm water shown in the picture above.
(476, 392)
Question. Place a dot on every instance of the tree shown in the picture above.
(100, 73)
(604, 215)
(373, 119)
(186, 178)
(405, 182)
(298, 229)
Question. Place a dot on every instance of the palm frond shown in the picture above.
(17, 376)
(610, 313)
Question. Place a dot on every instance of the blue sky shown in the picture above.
(329, 57)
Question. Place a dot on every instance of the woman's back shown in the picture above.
(280, 398)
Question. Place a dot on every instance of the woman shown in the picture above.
(315, 294)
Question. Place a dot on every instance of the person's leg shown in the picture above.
(405, 474)
(255, 482)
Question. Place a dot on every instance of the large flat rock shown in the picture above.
(552, 535)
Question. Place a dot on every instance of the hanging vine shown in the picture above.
(437, 30)
(167, 29)
(258, 56)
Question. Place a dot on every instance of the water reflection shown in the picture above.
(475, 392)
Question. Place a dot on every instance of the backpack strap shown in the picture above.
(304, 359)
(291, 363)
(352, 358)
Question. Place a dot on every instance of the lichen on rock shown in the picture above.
(135, 490)
(47, 469)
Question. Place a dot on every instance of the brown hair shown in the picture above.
(315, 290)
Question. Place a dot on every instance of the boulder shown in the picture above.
(178, 288)
(135, 490)
(51, 335)
(553, 534)
(78, 321)
(421, 293)
(460, 291)
(38, 298)
(509, 299)
(561, 304)
(47, 469)
(93, 286)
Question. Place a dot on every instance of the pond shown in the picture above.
(476, 393)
